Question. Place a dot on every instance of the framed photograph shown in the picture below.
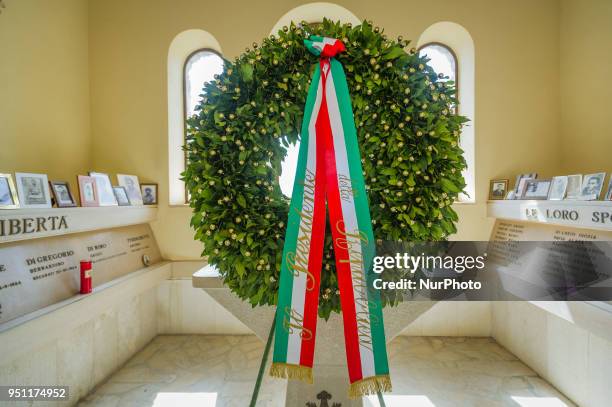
(557, 188)
(88, 191)
(122, 196)
(536, 189)
(149, 194)
(574, 183)
(8, 193)
(104, 188)
(61, 193)
(498, 189)
(33, 190)
(519, 179)
(521, 187)
(592, 185)
(609, 190)
(132, 187)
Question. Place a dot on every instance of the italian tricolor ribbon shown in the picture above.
(329, 171)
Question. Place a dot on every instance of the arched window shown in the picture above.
(443, 61)
(450, 48)
(194, 57)
(200, 67)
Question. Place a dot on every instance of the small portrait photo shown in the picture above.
(521, 187)
(122, 196)
(88, 191)
(104, 188)
(33, 190)
(536, 189)
(574, 183)
(8, 193)
(498, 189)
(61, 193)
(149, 194)
(609, 190)
(132, 187)
(557, 188)
(519, 179)
(592, 185)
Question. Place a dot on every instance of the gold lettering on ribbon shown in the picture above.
(297, 261)
(295, 265)
(347, 192)
(293, 321)
(351, 242)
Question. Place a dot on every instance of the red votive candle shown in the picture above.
(85, 277)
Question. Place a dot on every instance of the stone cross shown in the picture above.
(324, 397)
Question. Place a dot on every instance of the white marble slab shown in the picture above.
(220, 371)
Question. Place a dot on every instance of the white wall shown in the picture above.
(453, 318)
(80, 344)
(561, 349)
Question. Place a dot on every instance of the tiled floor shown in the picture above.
(220, 371)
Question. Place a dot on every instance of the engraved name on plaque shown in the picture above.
(38, 273)
(560, 263)
(507, 230)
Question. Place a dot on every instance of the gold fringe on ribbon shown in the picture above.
(370, 385)
(291, 371)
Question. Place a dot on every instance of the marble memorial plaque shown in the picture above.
(38, 273)
(561, 262)
(508, 230)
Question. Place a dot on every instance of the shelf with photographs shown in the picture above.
(36, 191)
(32, 223)
(576, 213)
(576, 187)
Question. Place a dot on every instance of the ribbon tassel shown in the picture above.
(329, 175)
(288, 371)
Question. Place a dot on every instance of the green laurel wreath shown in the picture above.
(248, 116)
